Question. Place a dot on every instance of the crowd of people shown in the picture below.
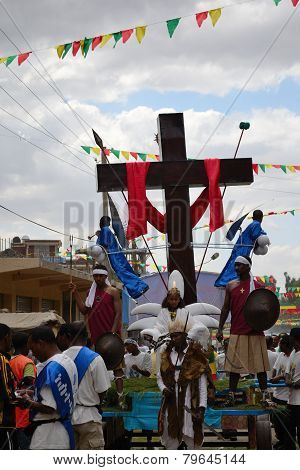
(53, 387)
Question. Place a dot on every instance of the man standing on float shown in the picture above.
(247, 349)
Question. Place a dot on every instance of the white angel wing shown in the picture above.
(209, 322)
(142, 324)
(151, 308)
(203, 309)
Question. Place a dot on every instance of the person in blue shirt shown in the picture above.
(134, 284)
(243, 247)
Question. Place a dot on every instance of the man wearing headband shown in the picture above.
(247, 349)
(103, 309)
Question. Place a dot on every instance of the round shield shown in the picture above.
(111, 348)
(262, 309)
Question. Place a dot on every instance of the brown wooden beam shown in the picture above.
(31, 277)
(177, 173)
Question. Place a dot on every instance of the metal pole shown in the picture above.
(71, 277)
(244, 126)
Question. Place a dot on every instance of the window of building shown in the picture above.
(23, 304)
(47, 305)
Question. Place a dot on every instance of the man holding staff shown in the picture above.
(247, 349)
(103, 310)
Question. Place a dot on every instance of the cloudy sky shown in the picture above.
(245, 69)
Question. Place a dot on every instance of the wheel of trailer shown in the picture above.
(263, 434)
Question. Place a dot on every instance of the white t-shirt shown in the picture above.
(272, 359)
(142, 361)
(293, 370)
(53, 435)
(281, 393)
(94, 381)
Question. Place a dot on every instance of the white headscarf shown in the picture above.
(242, 260)
(92, 292)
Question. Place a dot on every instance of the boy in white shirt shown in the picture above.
(93, 382)
(293, 381)
(281, 394)
(55, 388)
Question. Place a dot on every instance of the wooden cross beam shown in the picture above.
(175, 174)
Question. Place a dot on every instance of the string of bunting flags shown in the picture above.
(121, 153)
(146, 156)
(228, 221)
(91, 43)
(285, 168)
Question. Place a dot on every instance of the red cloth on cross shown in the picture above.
(210, 196)
(136, 184)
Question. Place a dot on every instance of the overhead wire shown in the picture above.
(55, 86)
(46, 151)
(254, 70)
(41, 125)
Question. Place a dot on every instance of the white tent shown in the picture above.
(28, 321)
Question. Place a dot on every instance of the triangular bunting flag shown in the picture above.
(255, 167)
(277, 2)
(283, 167)
(134, 155)
(96, 41)
(23, 57)
(115, 152)
(215, 15)
(295, 2)
(60, 49)
(3, 59)
(117, 37)
(107, 152)
(292, 212)
(126, 35)
(82, 46)
(86, 149)
(86, 45)
(105, 39)
(291, 168)
(172, 25)
(262, 167)
(66, 49)
(143, 156)
(10, 59)
(125, 154)
(140, 32)
(96, 150)
(152, 156)
(200, 17)
(76, 47)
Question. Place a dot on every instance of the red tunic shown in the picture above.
(238, 298)
(102, 314)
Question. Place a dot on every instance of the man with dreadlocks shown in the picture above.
(182, 376)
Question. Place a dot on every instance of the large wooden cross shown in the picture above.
(175, 174)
